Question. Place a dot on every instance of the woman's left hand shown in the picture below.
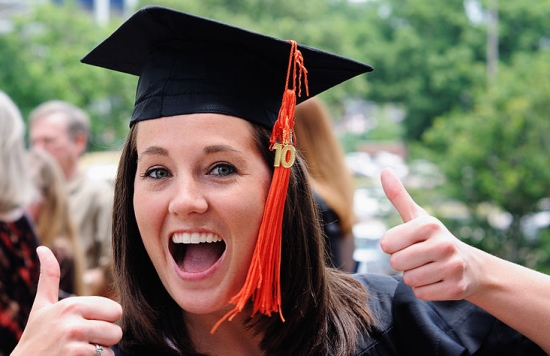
(436, 264)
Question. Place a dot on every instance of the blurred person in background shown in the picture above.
(19, 265)
(53, 222)
(63, 129)
(331, 179)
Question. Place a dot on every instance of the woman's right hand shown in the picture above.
(72, 326)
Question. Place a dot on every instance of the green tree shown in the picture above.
(497, 154)
(431, 57)
(40, 60)
(523, 27)
(427, 57)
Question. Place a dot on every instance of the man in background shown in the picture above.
(63, 130)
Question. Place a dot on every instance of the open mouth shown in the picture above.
(196, 252)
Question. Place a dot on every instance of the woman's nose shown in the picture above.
(188, 198)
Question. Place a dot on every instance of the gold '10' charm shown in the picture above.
(284, 155)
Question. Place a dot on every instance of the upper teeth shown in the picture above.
(195, 238)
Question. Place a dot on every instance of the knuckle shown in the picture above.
(448, 248)
(430, 225)
(74, 331)
(70, 306)
(457, 266)
(458, 290)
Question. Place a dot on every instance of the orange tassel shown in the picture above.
(263, 280)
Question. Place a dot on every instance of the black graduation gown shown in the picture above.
(410, 326)
(407, 325)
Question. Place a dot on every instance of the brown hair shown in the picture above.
(54, 223)
(330, 177)
(326, 311)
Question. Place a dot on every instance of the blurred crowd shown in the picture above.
(46, 198)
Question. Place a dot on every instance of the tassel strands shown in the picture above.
(262, 284)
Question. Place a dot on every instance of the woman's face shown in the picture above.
(200, 190)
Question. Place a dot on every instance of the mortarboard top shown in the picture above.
(189, 64)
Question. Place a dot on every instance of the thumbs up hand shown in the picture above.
(72, 326)
(436, 264)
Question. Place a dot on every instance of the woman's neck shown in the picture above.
(231, 337)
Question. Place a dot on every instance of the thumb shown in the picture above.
(399, 197)
(48, 284)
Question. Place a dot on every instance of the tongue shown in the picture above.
(200, 257)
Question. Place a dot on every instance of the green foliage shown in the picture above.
(543, 261)
(40, 60)
(524, 27)
(427, 58)
(431, 58)
(498, 152)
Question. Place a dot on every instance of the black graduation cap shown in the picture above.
(189, 64)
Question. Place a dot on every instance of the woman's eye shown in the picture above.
(223, 169)
(157, 173)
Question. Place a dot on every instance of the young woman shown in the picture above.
(217, 242)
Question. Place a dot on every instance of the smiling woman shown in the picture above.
(210, 156)
(187, 189)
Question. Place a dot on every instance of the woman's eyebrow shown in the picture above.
(154, 150)
(220, 148)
